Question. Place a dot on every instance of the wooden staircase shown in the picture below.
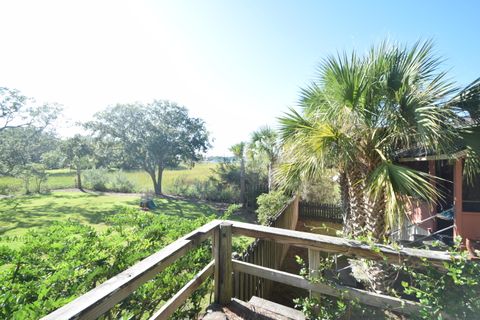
(256, 309)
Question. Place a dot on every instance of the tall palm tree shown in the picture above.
(238, 151)
(264, 142)
(357, 116)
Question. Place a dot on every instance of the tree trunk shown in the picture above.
(270, 176)
(79, 179)
(154, 181)
(243, 195)
(345, 202)
(158, 189)
(364, 217)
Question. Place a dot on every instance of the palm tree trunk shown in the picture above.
(243, 195)
(364, 217)
(270, 176)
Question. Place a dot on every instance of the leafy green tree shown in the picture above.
(17, 110)
(153, 136)
(53, 159)
(238, 151)
(78, 155)
(22, 146)
(23, 138)
(264, 143)
(33, 173)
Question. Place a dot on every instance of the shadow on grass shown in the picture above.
(19, 214)
(42, 210)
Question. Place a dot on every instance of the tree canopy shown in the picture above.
(154, 136)
(17, 110)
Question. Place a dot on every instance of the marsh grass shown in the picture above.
(65, 179)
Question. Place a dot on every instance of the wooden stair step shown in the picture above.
(256, 309)
(281, 310)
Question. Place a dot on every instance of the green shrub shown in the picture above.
(269, 204)
(8, 189)
(121, 183)
(61, 262)
(442, 294)
(96, 179)
(33, 176)
(205, 190)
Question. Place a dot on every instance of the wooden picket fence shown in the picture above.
(267, 254)
(324, 211)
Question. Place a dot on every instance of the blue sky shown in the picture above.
(236, 64)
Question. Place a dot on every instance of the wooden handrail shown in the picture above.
(99, 300)
(348, 247)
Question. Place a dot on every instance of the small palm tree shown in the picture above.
(238, 151)
(357, 116)
(264, 143)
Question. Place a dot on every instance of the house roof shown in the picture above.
(469, 138)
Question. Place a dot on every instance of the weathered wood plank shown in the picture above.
(313, 268)
(365, 297)
(223, 264)
(344, 246)
(99, 300)
(182, 295)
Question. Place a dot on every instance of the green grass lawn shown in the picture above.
(23, 213)
(65, 178)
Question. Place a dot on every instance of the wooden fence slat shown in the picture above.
(261, 252)
(324, 211)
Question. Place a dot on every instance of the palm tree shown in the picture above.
(238, 151)
(360, 113)
(264, 142)
(356, 117)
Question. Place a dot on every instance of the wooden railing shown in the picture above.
(267, 254)
(325, 211)
(99, 300)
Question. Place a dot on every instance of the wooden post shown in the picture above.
(223, 263)
(433, 207)
(457, 197)
(313, 266)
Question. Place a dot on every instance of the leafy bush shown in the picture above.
(323, 189)
(121, 183)
(223, 185)
(59, 263)
(270, 204)
(33, 173)
(8, 189)
(453, 292)
(205, 190)
(443, 294)
(96, 179)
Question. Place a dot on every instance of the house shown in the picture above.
(458, 212)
